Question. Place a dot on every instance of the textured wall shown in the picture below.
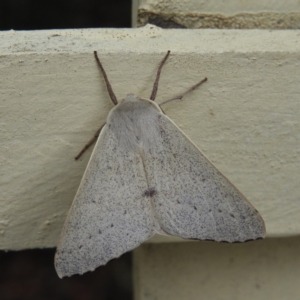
(53, 99)
(235, 14)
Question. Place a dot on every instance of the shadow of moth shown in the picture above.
(146, 177)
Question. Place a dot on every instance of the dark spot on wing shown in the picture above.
(150, 193)
(80, 247)
(112, 225)
(195, 208)
(231, 215)
(219, 210)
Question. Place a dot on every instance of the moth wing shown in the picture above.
(191, 198)
(109, 215)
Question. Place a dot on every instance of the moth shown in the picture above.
(146, 177)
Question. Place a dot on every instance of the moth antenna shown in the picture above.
(155, 85)
(108, 85)
(179, 97)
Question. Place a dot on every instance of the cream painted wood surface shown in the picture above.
(240, 14)
(260, 270)
(53, 99)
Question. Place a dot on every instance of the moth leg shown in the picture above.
(108, 85)
(155, 85)
(179, 97)
(91, 142)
